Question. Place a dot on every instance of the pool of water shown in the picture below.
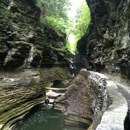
(45, 120)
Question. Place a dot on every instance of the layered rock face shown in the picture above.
(21, 90)
(24, 40)
(107, 39)
(26, 44)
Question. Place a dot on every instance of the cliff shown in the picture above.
(25, 41)
(106, 46)
(107, 38)
(26, 44)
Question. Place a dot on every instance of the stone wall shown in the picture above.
(107, 47)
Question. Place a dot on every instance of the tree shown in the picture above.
(82, 20)
(80, 25)
(54, 13)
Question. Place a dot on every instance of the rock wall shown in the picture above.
(26, 44)
(106, 44)
(25, 41)
(92, 102)
(107, 38)
(21, 90)
(85, 101)
(75, 104)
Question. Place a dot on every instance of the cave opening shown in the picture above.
(59, 84)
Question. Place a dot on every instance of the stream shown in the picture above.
(47, 118)
(44, 120)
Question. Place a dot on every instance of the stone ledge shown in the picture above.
(113, 118)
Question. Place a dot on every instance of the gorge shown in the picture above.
(33, 57)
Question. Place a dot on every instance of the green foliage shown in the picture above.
(55, 23)
(54, 13)
(54, 7)
(79, 26)
(82, 20)
(71, 43)
(4, 11)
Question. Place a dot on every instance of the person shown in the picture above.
(89, 68)
(47, 101)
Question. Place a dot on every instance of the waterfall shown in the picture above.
(72, 64)
(11, 2)
(9, 55)
(29, 59)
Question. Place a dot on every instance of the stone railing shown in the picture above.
(110, 105)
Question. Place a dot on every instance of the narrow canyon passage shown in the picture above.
(79, 61)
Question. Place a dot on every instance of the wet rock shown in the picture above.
(21, 90)
(25, 45)
(51, 94)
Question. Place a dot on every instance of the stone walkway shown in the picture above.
(123, 87)
(113, 118)
(125, 91)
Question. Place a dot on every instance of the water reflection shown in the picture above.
(45, 120)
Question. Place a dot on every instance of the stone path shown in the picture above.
(113, 118)
(123, 87)
(125, 91)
